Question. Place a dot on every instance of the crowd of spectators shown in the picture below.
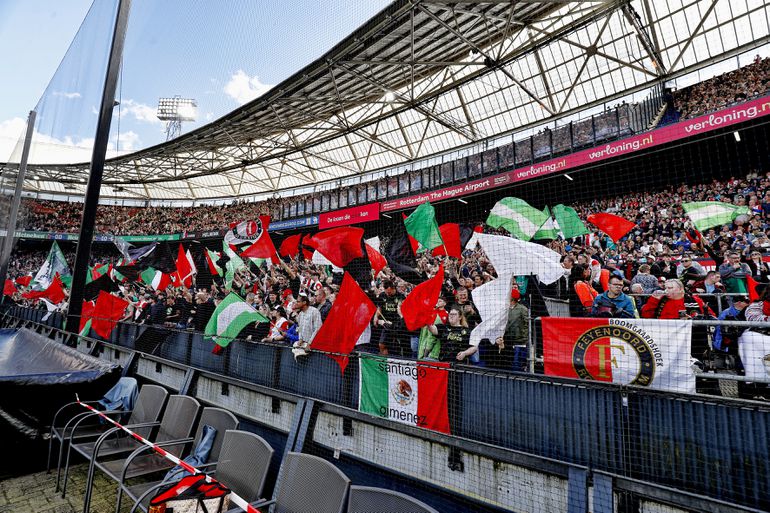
(732, 87)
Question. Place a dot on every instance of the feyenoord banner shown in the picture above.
(645, 352)
(405, 391)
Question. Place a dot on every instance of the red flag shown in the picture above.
(54, 292)
(107, 311)
(24, 281)
(614, 226)
(339, 245)
(419, 307)
(9, 288)
(86, 313)
(290, 246)
(350, 314)
(263, 246)
(184, 267)
(450, 233)
(376, 259)
(752, 286)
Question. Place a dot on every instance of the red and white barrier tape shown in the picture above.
(234, 498)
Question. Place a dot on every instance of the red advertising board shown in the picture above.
(700, 125)
(347, 216)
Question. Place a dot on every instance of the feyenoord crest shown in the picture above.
(247, 230)
(613, 353)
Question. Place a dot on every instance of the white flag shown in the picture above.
(520, 258)
(492, 300)
(754, 349)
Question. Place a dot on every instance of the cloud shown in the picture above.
(243, 88)
(67, 95)
(139, 111)
(47, 149)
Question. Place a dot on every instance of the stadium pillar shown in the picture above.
(5, 255)
(96, 170)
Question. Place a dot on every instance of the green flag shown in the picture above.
(547, 230)
(55, 263)
(422, 226)
(148, 275)
(518, 217)
(232, 265)
(230, 317)
(569, 222)
(708, 214)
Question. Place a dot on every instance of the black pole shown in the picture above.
(91, 200)
(10, 234)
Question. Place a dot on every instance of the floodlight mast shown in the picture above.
(173, 111)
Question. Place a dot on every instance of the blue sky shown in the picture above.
(223, 54)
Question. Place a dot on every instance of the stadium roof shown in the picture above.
(423, 77)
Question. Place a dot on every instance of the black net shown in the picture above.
(569, 319)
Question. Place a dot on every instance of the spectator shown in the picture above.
(733, 273)
(674, 303)
(308, 324)
(454, 336)
(511, 349)
(648, 282)
(613, 302)
(581, 293)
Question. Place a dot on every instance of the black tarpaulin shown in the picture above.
(28, 358)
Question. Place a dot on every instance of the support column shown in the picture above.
(98, 156)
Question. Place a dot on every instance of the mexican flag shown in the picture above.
(230, 317)
(405, 391)
(708, 214)
(645, 352)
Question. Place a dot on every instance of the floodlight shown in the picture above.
(173, 111)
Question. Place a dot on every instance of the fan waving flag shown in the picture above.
(517, 217)
(569, 222)
(405, 391)
(548, 229)
(340, 246)
(519, 258)
(708, 214)
(212, 257)
(422, 226)
(419, 307)
(646, 352)
(54, 265)
(348, 318)
(614, 226)
(230, 317)
(450, 234)
(493, 300)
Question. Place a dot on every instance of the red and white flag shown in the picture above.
(645, 352)
(255, 232)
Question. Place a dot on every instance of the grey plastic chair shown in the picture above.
(147, 409)
(60, 431)
(178, 423)
(243, 464)
(309, 483)
(367, 499)
(142, 462)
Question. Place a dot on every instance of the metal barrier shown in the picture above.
(712, 446)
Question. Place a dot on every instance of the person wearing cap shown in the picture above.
(511, 353)
(613, 302)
